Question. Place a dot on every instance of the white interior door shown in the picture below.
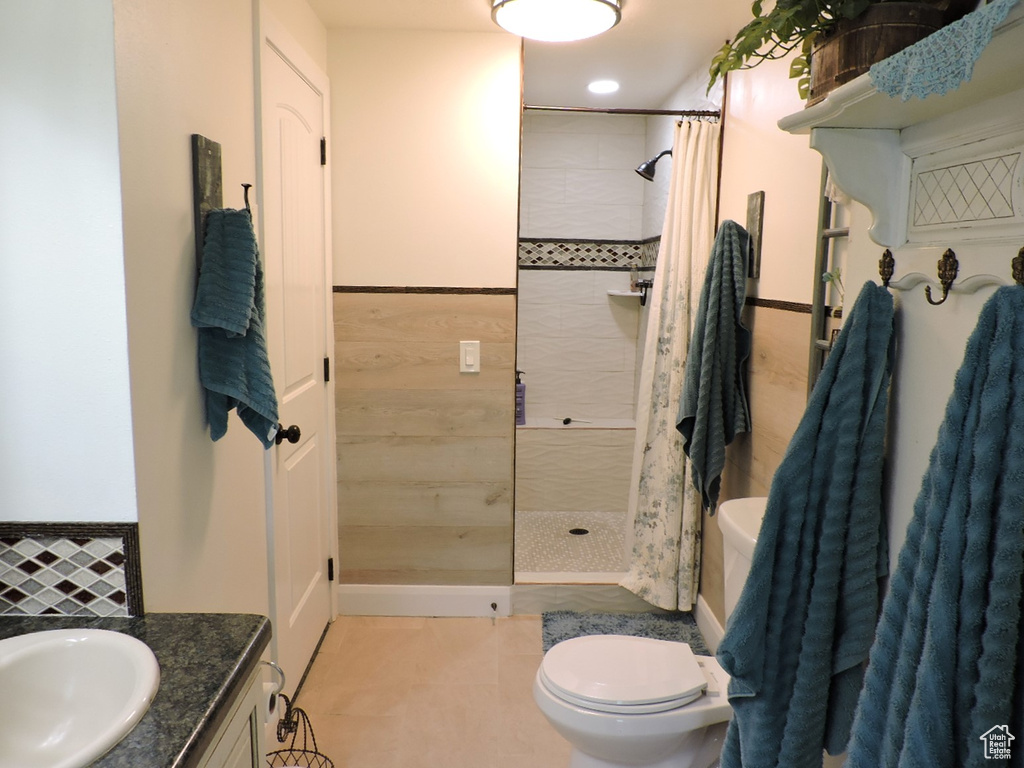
(293, 211)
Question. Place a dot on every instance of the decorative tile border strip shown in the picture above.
(600, 254)
(790, 306)
(70, 569)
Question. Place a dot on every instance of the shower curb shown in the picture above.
(422, 600)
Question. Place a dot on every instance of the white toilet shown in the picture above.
(633, 701)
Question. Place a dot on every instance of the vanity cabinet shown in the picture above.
(239, 742)
(206, 712)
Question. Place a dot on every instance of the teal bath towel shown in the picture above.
(796, 641)
(230, 313)
(947, 664)
(713, 408)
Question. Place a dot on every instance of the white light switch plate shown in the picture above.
(469, 357)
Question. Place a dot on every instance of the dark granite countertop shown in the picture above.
(205, 659)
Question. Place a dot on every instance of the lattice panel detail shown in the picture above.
(981, 190)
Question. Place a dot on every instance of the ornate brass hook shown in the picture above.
(1017, 267)
(886, 266)
(948, 269)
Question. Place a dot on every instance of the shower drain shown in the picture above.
(578, 531)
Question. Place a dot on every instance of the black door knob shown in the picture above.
(292, 434)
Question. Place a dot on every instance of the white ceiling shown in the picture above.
(657, 45)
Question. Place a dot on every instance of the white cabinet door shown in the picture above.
(239, 742)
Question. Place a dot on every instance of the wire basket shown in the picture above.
(302, 751)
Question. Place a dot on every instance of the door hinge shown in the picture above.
(327, 369)
(330, 569)
(323, 150)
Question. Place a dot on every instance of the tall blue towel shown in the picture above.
(947, 664)
(230, 313)
(796, 642)
(713, 407)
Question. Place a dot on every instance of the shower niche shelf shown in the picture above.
(643, 285)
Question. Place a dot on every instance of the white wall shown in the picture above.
(64, 393)
(757, 155)
(182, 68)
(425, 143)
(578, 179)
(303, 25)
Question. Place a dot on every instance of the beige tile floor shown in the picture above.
(430, 693)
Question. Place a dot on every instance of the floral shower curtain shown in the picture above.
(664, 507)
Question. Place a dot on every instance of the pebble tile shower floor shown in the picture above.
(544, 544)
(392, 692)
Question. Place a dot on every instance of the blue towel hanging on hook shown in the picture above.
(713, 407)
(796, 642)
(230, 313)
(946, 675)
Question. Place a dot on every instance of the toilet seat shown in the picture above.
(623, 675)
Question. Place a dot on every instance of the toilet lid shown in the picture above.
(612, 672)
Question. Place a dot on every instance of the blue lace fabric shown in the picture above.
(944, 59)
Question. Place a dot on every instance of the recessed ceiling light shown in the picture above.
(603, 86)
(556, 21)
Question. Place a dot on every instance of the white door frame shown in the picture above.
(267, 29)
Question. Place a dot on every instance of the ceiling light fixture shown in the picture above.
(603, 86)
(556, 21)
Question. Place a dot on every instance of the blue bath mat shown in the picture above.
(682, 627)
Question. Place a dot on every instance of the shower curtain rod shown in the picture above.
(615, 111)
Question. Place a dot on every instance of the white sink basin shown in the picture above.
(69, 695)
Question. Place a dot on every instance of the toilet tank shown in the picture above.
(740, 522)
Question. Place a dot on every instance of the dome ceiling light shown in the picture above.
(556, 21)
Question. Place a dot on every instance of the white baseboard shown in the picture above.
(708, 624)
(422, 600)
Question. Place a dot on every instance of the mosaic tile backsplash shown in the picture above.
(588, 253)
(76, 575)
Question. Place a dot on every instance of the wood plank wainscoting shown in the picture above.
(778, 397)
(425, 453)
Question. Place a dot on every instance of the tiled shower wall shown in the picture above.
(581, 228)
(577, 176)
(581, 221)
(577, 344)
(573, 469)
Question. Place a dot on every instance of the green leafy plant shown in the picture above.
(798, 24)
(835, 279)
(774, 34)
